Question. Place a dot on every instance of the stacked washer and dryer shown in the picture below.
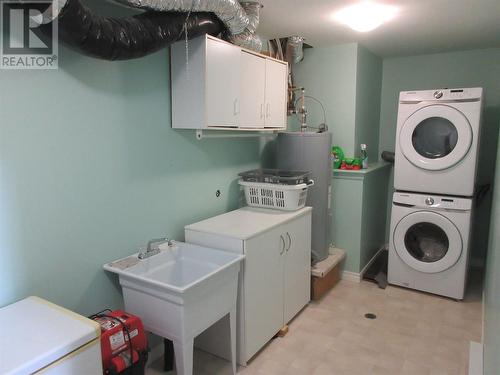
(436, 155)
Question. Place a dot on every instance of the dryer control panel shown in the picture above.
(440, 95)
(432, 201)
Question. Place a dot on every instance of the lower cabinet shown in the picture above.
(275, 277)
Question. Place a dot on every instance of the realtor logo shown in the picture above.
(29, 37)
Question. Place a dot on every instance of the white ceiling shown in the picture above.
(421, 26)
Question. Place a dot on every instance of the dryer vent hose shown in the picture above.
(131, 37)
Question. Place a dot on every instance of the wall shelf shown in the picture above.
(241, 133)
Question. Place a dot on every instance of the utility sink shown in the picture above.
(180, 292)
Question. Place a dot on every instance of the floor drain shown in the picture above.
(370, 316)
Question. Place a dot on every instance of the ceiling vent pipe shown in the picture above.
(129, 37)
(230, 12)
(248, 39)
(240, 19)
(295, 49)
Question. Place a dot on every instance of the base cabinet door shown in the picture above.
(263, 291)
(297, 269)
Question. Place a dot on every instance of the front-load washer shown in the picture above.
(437, 141)
(429, 243)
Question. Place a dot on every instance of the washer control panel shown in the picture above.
(432, 201)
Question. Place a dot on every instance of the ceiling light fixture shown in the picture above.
(365, 16)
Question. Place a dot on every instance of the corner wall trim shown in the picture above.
(351, 276)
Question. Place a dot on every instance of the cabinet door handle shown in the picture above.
(262, 111)
(283, 242)
(268, 110)
(289, 241)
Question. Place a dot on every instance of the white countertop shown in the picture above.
(246, 222)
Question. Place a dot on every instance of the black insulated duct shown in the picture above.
(131, 37)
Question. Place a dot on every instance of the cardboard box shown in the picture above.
(321, 285)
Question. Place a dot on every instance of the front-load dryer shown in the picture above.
(429, 243)
(437, 141)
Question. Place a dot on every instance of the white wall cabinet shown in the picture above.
(276, 94)
(275, 277)
(222, 84)
(252, 91)
(219, 85)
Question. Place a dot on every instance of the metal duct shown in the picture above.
(248, 39)
(230, 12)
(252, 9)
(129, 37)
(295, 49)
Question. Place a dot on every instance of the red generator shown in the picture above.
(124, 345)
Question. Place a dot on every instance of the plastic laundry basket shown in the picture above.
(276, 196)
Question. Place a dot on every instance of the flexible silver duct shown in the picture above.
(230, 12)
(248, 39)
(252, 9)
(295, 49)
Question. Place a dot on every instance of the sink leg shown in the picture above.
(184, 357)
(232, 329)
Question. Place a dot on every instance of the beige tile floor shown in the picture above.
(414, 333)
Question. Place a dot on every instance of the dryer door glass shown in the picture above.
(435, 137)
(427, 242)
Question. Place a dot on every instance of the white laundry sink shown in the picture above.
(180, 292)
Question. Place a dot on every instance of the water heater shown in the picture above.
(308, 151)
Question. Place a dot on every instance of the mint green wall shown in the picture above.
(474, 68)
(90, 169)
(329, 74)
(347, 80)
(368, 88)
(492, 287)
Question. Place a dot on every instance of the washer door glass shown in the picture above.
(427, 241)
(435, 137)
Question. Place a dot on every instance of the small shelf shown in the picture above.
(340, 173)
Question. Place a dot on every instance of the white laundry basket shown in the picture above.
(276, 196)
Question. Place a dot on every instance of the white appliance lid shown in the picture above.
(246, 222)
(35, 333)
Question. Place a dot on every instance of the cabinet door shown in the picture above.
(297, 266)
(276, 93)
(263, 280)
(222, 84)
(253, 87)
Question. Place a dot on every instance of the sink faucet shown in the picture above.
(153, 247)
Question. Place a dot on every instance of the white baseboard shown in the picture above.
(351, 276)
(475, 358)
